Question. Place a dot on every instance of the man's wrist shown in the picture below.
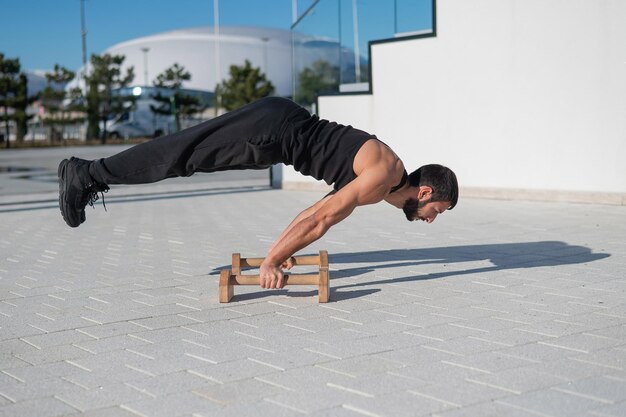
(271, 260)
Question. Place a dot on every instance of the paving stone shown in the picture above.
(602, 388)
(236, 392)
(234, 370)
(104, 412)
(174, 405)
(434, 372)
(618, 332)
(162, 322)
(611, 358)
(552, 403)
(398, 404)
(553, 328)
(64, 337)
(613, 410)
(166, 384)
(517, 380)
(512, 337)
(111, 329)
(305, 378)
(487, 409)
(314, 399)
(43, 407)
(463, 346)
(539, 351)
(48, 370)
(109, 344)
(487, 362)
(264, 408)
(383, 383)
(361, 365)
(11, 347)
(419, 355)
(53, 354)
(101, 397)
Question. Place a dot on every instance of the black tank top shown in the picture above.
(322, 149)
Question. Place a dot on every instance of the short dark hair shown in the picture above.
(441, 179)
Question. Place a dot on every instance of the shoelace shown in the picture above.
(93, 197)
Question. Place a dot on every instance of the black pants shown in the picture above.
(248, 138)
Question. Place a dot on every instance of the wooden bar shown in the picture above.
(297, 260)
(290, 279)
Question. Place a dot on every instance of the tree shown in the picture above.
(20, 104)
(246, 84)
(176, 101)
(102, 101)
(320, 78)
(61, 107)
(9, 86)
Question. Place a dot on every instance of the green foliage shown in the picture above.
(10, 90)
(20, 104)
(61, 107)
(246, 84)
(106, 76)
(320, 78)
(177, 102)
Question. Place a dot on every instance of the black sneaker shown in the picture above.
(76, 190)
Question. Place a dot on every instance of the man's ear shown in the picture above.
(425, 192)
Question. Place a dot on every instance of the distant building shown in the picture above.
(195, 49)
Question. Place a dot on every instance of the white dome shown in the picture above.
(194, 49)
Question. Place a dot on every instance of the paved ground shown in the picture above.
(498, 309)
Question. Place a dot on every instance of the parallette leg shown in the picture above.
(226, 287)
(236, 267)
(324, 287)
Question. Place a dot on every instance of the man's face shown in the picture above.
(424, 209)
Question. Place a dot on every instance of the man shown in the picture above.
(272, 130)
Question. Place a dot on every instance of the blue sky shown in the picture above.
(47, 32)
(43, 33)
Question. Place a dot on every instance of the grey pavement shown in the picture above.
(499, 308)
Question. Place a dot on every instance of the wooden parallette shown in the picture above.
(231, 277)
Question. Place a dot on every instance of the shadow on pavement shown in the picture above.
(18, 206)
(294, 292)
(502, 256)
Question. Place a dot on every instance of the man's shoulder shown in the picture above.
(380, 160)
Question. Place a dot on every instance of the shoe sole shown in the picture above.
(62, 191)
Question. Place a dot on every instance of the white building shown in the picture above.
(522, 98)
(195, 49)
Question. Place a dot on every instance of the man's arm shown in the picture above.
(303, 214)
(368, 188)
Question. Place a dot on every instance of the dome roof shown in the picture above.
(195, 49)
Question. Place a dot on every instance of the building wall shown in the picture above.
(522, 98)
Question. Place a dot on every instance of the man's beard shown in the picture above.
(412, 208)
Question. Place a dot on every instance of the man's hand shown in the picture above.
(272, 275)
